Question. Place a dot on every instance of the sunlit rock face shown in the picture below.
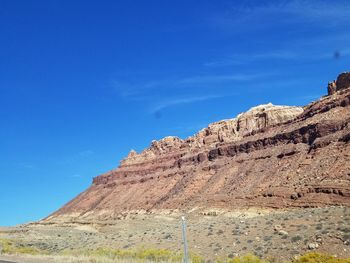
(342, 82)
(161, 147)
(269, 156)
(230, 130)
(264, 116)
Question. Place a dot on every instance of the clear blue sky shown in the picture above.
(83, 82)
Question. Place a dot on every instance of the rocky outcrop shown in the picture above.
(263, 116)
(157, 148)
(332, 87)
(342, 82)
(231, 130)
(269, 156)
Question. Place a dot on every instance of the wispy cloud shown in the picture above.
(143, 91)
(166, 104)
(315, 10)
(286, 54)
(219, 78)
(241, 58)
(330, 13)
(308, 30)
(156, 95)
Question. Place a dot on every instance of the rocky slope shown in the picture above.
(270, 156)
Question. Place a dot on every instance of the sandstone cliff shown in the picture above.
(342, 82)
(269, 156)
(223, 131)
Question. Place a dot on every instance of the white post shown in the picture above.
(184, 239)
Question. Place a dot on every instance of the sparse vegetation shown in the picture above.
(154, 255)
(106, 255)
(249, 258)
(211, 238)
(8, 246)
(296, 238)
(102, 254)
(320, 258)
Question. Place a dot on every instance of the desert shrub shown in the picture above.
(296, 238)
(315, 257)
(346, 237)
(249, 258)
(312, 257)
(345, 229)
(12, 247)
(157, 255)
(319, 226)
(141, 254)
(219, 232)
(267, 238)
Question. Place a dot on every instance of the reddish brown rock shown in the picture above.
(342, 82)
(332, 88)
(270, 156)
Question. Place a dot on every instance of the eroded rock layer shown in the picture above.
(271, 156)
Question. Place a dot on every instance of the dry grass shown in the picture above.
(14, 249)
(68, 259)
(320, 258)
(9, 246)
(142, 256)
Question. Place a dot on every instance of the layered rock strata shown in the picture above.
(270, 156)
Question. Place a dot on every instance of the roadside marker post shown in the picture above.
(184, 239)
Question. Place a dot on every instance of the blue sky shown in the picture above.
(83, 82)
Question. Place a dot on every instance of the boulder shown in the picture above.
(312, 246)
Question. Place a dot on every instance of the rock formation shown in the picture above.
(223, 131)
(342, 82)
(270, 156)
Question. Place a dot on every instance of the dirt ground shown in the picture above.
(270, 234)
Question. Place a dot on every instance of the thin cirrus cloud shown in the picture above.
(294, 11)
(240, 59)
(300, 19)
(316, 10)
(180, 101)
(155, 95)
(145, 90)
(262, 85)
(287, 54)
(221, 78)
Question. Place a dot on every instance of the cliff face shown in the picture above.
(342, 82)
(224, 131)
(269, 156)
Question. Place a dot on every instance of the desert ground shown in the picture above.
(216, 234)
